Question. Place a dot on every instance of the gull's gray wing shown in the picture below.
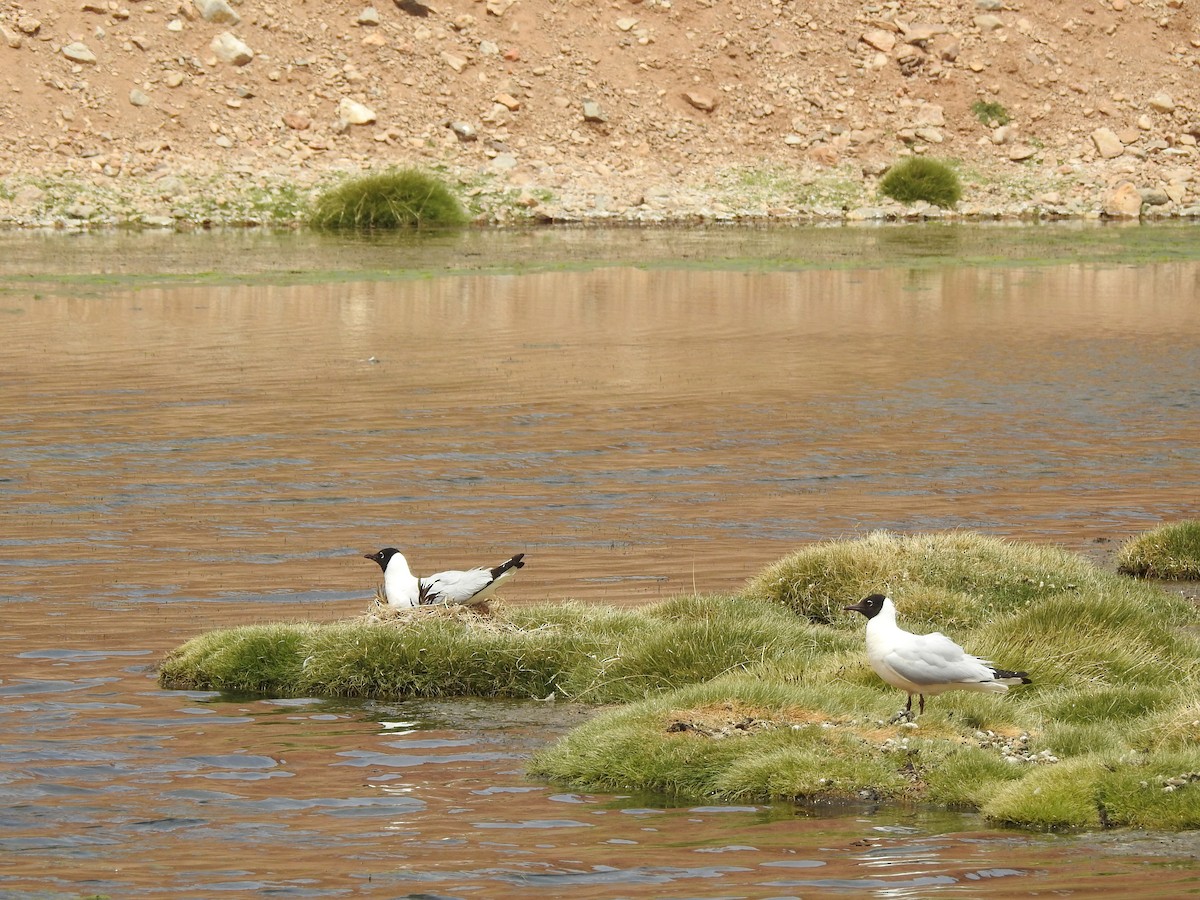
(455, 587)
(932, 659)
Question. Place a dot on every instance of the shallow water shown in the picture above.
(186, 451)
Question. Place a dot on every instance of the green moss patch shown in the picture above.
(767, 694)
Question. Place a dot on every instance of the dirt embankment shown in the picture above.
(175, 111)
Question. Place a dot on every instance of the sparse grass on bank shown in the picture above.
(767, 695)
(989, 112)
(214, 195)
(404, 198)
(1170, 551)
(781, 187)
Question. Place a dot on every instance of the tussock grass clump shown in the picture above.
(1105, 790)
(1052, 797)
(768, 695)
(439, 658)
(433, 653)
(405, 198)
(1100, 704)
(692, 639)
(579, 652)
(252, 659)
(1110, 660)
(967, 776)
(1169, 551)
(951, 580)
(1175, 727)
(1118, 640)
(1159, 791)
(919, 179)
(735, 737)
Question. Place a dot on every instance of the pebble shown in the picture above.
(1107, 143)
(77, 51)
(218, 12)
(702, 100)
(230, 49)
(354, 113)
(1124, 201)
(592, 111)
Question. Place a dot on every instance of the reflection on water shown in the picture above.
(184, 455)
(637, 433)
(188, 794)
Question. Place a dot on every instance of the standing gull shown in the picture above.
(403, 588)
(924, 663)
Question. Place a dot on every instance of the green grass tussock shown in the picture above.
(677, 654)
(966, 777)
(440, 658)
(694, 639)
(252, 659)
(919, 179)
(1105, 704)
(948, 580)
(1110, 660)
(1072, 739)
(604, 623)
(1173, 727)
(1123, 639)
(1051, 798)
(1105, 790)
(767, 695)
(735, 737)
(804, 763)
(404, 198)
(1160, 791)
(575, 651)
(1170, 552)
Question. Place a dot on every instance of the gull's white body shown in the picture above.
(400, 585)
(925, 664)
(403, 589)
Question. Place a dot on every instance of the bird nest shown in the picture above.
(379, 612)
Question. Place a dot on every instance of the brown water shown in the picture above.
(185, 452)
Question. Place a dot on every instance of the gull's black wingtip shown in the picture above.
(1015, 677)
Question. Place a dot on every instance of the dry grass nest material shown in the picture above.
(380, 612)
(480, 616)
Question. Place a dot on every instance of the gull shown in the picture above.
(403, 588)
(924, 663)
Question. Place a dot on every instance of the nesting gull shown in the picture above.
(402, 588)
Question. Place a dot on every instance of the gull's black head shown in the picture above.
(383, 557)
(868, 606)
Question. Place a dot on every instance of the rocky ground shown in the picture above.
(172, 113)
